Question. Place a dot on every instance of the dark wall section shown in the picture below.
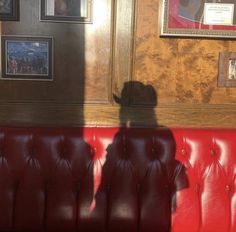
(69, 64)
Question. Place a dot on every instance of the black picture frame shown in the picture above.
(27, 58)
(9, 10)
(80, 12)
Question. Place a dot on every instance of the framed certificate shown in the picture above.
(202, 18)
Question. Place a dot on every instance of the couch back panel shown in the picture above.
(117, 179)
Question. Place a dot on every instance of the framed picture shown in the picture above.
(74, 11)
(9, 10)
(199, 18)
(27, 58)
(227, 69)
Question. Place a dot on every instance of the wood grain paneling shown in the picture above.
(187, 67)
(93, 62)
(123, 44)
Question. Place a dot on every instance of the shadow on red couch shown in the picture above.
(136, 187)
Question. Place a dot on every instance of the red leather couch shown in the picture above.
(111, 179)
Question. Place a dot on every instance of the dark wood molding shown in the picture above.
(51, 114)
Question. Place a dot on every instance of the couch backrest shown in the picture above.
(112, 179)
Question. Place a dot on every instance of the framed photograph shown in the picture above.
(227, 69)
(74, 11)
(9, 10)
(27, 58)
(198, 18)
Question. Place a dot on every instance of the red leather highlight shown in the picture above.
(117, 180)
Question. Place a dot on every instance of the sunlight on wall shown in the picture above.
(100, 15)
(97, 42)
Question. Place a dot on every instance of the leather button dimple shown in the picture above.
(228, 188)
(93, 150)
(33, 152)
(213, 153)
(183, 152)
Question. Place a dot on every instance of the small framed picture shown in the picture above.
(27, 58)
(227, 69)
(73, 11)
(9, 10)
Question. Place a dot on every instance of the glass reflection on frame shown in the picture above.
(76, 11)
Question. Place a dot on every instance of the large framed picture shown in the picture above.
(74, 11)
(227, 69)
(27, 58)
(199, 18)
(9, 10)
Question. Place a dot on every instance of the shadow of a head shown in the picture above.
(137, 103)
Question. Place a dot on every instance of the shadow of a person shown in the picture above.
(140, 176)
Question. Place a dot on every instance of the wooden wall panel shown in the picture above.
(98, 38)
(123, 44)
(187, 67)
(82, 57)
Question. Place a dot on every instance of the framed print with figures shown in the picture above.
(27, 58)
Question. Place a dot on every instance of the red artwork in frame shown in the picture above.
(199, 18)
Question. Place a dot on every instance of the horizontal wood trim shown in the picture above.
(45, 114)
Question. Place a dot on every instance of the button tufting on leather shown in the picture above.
(183, 152)
(63, 152)
(213, 153)
(94, 153)
(228, 188)
(32, 153)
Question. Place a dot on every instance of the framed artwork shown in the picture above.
(27, 58)
(192, 18)
(9, 10)
(227, 69)
(74, 11)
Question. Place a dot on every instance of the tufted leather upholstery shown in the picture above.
(111, 179)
